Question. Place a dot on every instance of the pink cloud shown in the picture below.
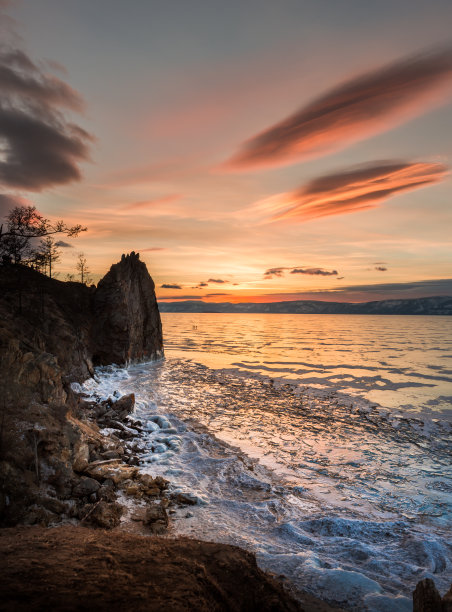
(354, 190)
(361, 107)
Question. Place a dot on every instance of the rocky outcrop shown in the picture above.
(426, 598)
(127, 324)
(51, 333)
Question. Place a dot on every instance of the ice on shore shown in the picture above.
(323, 488)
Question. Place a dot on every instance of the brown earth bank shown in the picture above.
(75, 568)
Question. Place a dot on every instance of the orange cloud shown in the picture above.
(366, 105)
(351, 191)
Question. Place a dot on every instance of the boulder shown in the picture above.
(156, 518)
(116, 472)
(106, 515)
(126, 403)
(81, 456)
(85, 487)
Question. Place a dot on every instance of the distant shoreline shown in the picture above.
(435, 305)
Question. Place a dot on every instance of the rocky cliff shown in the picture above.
(51, 333)
(127, 324)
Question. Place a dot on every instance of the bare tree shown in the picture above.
(23, 225)
(50, 252)
(83, 270)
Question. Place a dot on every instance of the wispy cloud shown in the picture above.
(64, 245)
(361, 107)
(381, 268)
(166, 286)
(39, 147)
(152, 249)
(218, 281)
(145, 204)
(352, 190)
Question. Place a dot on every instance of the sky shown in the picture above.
(248, 150)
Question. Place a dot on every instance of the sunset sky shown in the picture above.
(250, 150)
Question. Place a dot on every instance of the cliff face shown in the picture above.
(127, 324)
(51, 333)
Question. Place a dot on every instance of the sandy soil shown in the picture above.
(75, 568)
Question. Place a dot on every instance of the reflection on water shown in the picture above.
(399, 362)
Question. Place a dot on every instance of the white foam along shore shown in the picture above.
(326, 534)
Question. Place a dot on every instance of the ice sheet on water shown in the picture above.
(338, 513)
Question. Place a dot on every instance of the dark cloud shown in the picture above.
(165, 286)
(8, 202)
(278, 272)
(219, 281)
(314, 271)
(203, 284)
(381, 268)
(64, 245)
(272, 272)
(354, 110)
(39, 146)
(354, 190)
(209, 295)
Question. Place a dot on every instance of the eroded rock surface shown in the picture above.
(127, 322)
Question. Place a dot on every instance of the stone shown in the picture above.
(81, 456)
(152, 491)
(156, 518)
(161, 483)
(426, 597)
(118, 473)
(53, 504)
(134, 490)
(85, 487)
(111, 454)
(126, 403)
(106, 515)
(185, 499)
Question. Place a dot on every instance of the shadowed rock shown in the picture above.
(127, 323)
(426, 597)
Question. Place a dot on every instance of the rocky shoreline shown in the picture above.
(70, 461)
(68, 472)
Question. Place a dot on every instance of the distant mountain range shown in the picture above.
(438, 305)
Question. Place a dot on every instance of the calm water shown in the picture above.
(399, 362)
(321, 443)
